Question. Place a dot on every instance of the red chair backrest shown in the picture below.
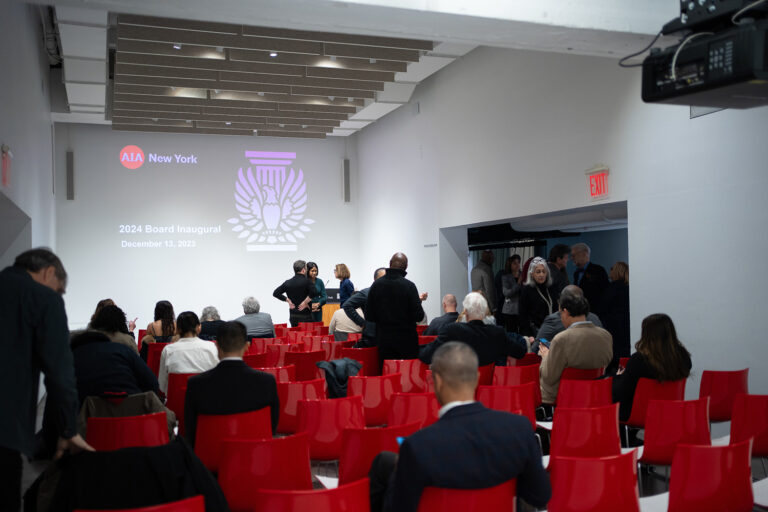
(259, 345)
(193, 504)
(413, 407)
(526, 360)
(721, 387)
(280, 373)
(256, 360)
(516, 375)
(314, 342)
(669, 423)
(420, 329)
(277, 352)
(281, 330)
(499, 498)
(324, 420)
(426, 340)
(354, 336)
(511, 399)
(650, 389)
(377, 394)
(279, 463)
(333, 349)
(430, 382)
(412, 373)
(139, 337)
(308, 326)
(485, 378)
(177, 391)
(306, 369)
(585, 432)
(359, 446)
(212, 429)
(585, 393)
(600, 484)
(289, 394)
(354, 497)
(581, 373)
(369, 357)
(711, 478)
(750, 419)
(623, 362)
(154, 352)
(295, 336)
(122, 432)
(322, 330)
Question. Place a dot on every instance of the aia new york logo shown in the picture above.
(132, 157)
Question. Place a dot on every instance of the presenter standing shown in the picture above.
(319, 300)
(297, 292)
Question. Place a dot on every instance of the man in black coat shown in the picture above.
(297, 292)
(394, 306)
(470, 447)
(232, 386)
(359, 300)
(490, 342)
(590, 277)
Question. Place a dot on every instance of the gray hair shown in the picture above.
(456, 363)
(581, 247)
(298, 266)
(475, 305)
(209, 313)
(535, 262)
(251, 305)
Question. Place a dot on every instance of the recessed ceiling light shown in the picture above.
(260, 93)
(216, 91)
(333, 58)
(281, 125)
(177, 46)
(254, 130)
(303, 126)
(372, 61)
(273, 54)
(220, 49)
(350, 99)
(189, 121)
(331, 98)
(228, 123)
(155, 119)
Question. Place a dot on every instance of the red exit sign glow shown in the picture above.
(597, 183)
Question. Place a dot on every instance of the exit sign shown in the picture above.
(597, 183)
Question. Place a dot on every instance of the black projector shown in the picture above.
(728, 69)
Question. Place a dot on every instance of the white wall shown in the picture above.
(25, 124)
(503, 134)
(218, 270)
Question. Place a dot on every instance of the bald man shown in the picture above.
(394, 306)
(450, 316)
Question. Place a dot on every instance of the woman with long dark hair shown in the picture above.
(659, 355)
(319, 300)
(162, 330)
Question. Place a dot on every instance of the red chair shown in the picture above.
(325, 420)
(305, 364)
(585, 432)
(256, 360)
(430, 381)
(750, 420)
(314, 342)
(585, 393)
(280, 373)
(581, 373)
(333, 349)
(154, 352)
(369, 357)
(711, 478)
(377, 394)
(177, 391)
(500, 498)
(721, 388)
(420, 329)
(277, 352)
(122, 432)
(308, 326)
(281, 330)
(280, 463)
(623, 362)
(669, 423)
(193, 504)
(359, 446)
(647, 390)
(526, 360)
(426, 340)
(259, 345)
(517, 375)
(212, 429)
(289, 394)
(295, 336)
(485, 377)
(139, 337)
(510, 399)
(322, 330)
(599, 484)
(354, 497)
(412, 374)
(354, 336)
(421, 408)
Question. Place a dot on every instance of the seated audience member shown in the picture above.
(189, 354)
(105, 367)
(257, 324)
(450, 316)
(470, 447)
(538, 297)
(581, 345)
(341, 325)
(210, 321)
(552, 324)
(162, 329)
(660, 355)
(99, 306)
(111, 321)
(490, 342)
(231, 387)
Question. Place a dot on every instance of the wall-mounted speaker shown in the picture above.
(70, 176)
(345, 178)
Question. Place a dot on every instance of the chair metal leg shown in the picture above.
(640, 479)
(762, 462)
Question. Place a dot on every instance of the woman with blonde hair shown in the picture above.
(346, 288)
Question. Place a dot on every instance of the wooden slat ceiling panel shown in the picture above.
(203, 77)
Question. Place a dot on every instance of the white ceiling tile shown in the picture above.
(418, 71)
(453, 49)
(80, 15)
(340, 132)
(86, 94)
(80, 41)
(396, 93)
(85, 70)
(354, 124)
(375, 111)
(78, 117)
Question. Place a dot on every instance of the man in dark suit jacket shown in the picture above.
(590, 277)
(470, 447)
(231, 387)
(490, 342)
